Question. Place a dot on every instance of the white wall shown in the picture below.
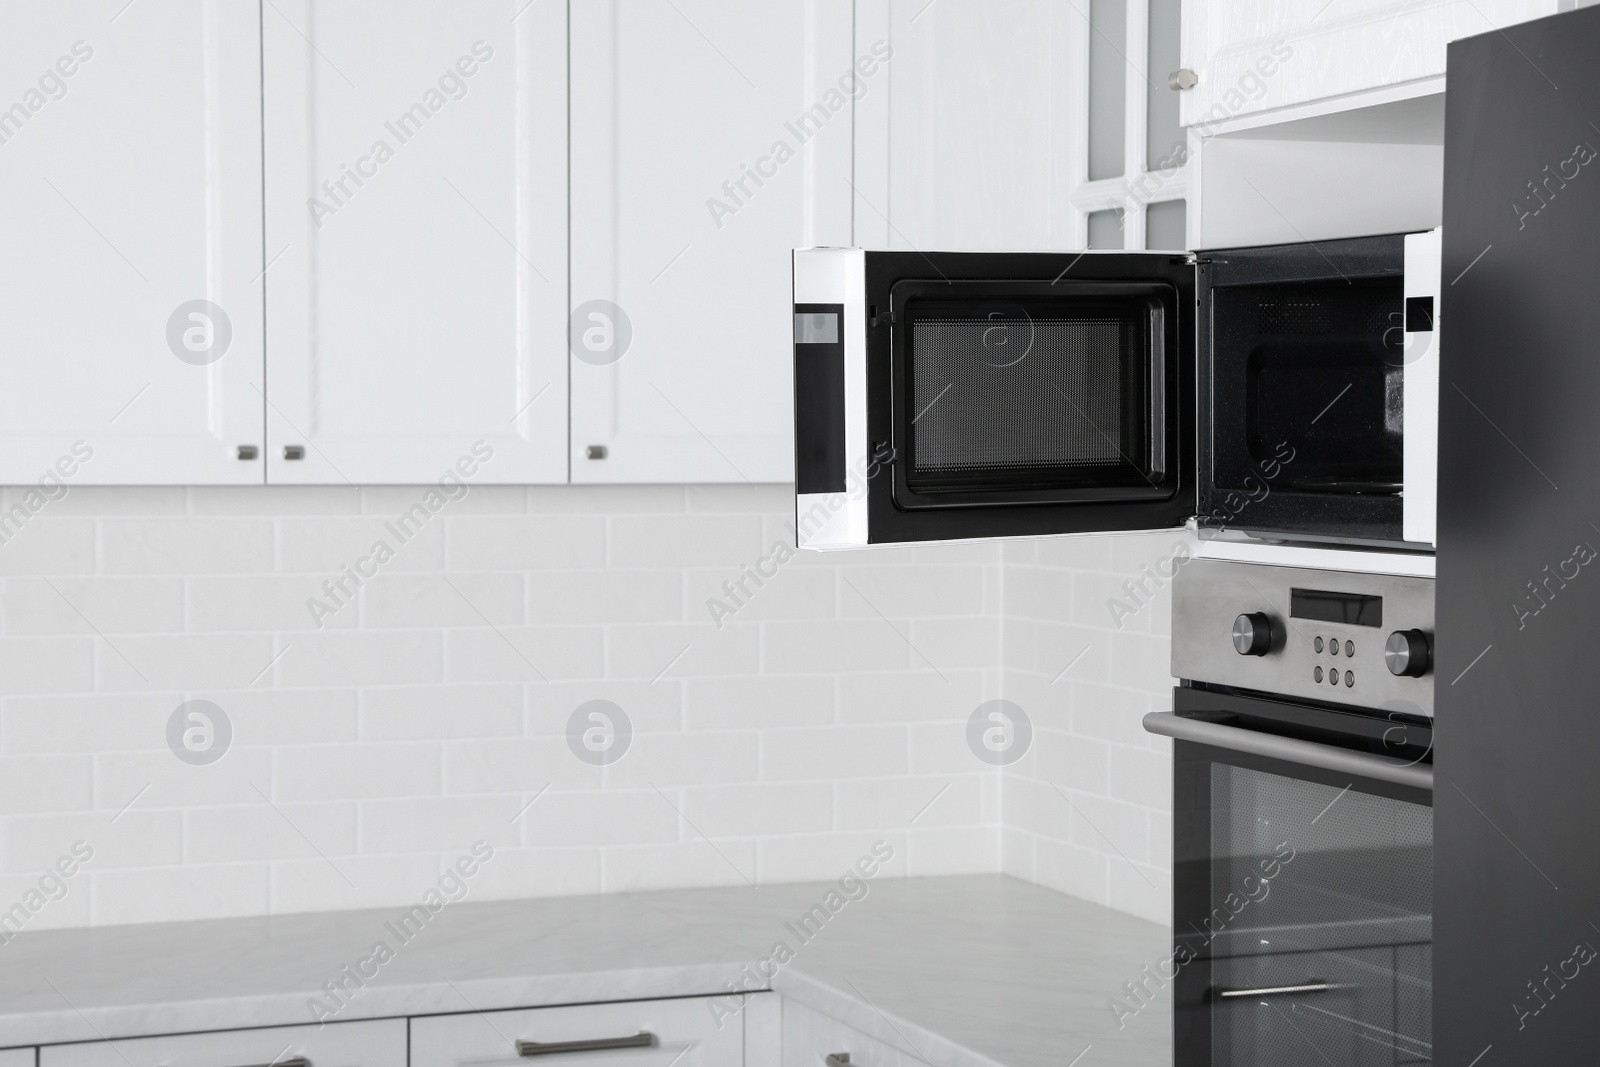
(829, 711)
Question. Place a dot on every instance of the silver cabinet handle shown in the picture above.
(1277, 990)
(837, 1059)
(1182, 79)
(292, 1061)
(643, 1039)
(1290, 749)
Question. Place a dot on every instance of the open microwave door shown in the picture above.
(948, 396)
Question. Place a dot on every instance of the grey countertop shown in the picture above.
(964, 971)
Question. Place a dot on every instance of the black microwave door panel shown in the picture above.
(1301, 387)
(1024, 394)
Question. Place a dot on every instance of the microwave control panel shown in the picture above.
(1344, 637)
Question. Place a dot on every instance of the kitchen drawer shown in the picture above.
(686, 1035)
(18, 1057)
(809, 1037)
(375, 1043)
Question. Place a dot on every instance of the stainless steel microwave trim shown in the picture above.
(1329, 662)
(1290, 750)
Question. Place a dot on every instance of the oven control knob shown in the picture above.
(1252, 634)
(1407, 653)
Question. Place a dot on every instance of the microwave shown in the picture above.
(1287, 392)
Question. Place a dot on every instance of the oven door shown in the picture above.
(1303, 863)
(953, 396)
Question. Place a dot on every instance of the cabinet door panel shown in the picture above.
(130, 166)
(686, 1032)
(1255, 55)
(416, 227)
(974, 140)
(373, 1043)
(684, 213)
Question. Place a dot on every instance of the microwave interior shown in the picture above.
(1303, 374)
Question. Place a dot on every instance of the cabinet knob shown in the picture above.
(247, 452)
(1181, 79)
(595, 452)
(294, 451)
(837, 1059)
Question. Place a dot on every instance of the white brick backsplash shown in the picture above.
(690, 863)
(420, 601)
(46, 783)
(355, 772)
(526, 654)
(951, 850)
(90, 605)
(183, 546)
(826, 857)
(526, 543)
(758, 810)
(685, 540)
(50, 545)
(836, 645)
(415, 712)
(605, 596)
(133, 894)
(834, 753)
(47, 665)
(758, 701)
(595, 819)
(373, 745)
(136, 839)
(239, 833)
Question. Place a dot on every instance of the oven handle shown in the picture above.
(1293, 750)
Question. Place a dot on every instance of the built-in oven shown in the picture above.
(1286, 390)
(1303, 825)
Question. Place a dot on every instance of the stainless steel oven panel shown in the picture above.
(1208, 596)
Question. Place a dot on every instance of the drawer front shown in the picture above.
(377, 1043)
(809, 1037)
(18, 1057)
(685, 1035)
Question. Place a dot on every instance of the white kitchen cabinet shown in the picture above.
(416, 221)
(972, 137)
(709, 137)
(809, 1038)
(18, 1057)
(1253, 56)
(684, 1033)
(373, 1043)
(130, 167)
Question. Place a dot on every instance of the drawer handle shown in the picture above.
(1278, 990)
(837, 1059)
(292, 1061)
(643, 1039)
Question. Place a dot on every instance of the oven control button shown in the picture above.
(1252, 634)
(1407, 653)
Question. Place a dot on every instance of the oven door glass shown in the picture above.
(1304, 905)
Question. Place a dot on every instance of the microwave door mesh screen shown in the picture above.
(1042, 393)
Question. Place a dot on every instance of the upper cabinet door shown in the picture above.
(972, 138)
(709, 138)
(130, 167)
(416, 225)
(1257, 55)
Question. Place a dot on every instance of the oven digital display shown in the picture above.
(1356, 609)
